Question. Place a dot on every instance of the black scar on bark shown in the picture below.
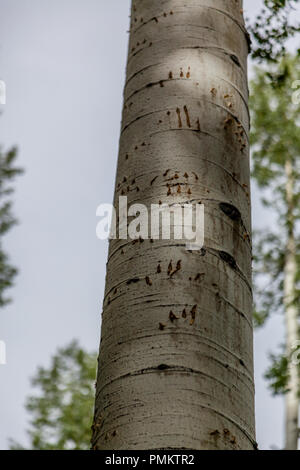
(133, 281)
(228, 259)
(163, 367)
(235, 59)
(231, 211)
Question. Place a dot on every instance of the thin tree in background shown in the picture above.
(276, 167)
(8, 172)
(176, 362)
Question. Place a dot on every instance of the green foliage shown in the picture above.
(275, 135)
(8, 171)
(268, 263)
(272, 28)
(275, 123)
(62, 411)
(275, 138)
(277, 374)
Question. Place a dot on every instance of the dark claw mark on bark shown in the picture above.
(231, 211)
(235, 59)
(228, 259)
(249, 42)
(163, 367)
(179, 118)
(133, 281)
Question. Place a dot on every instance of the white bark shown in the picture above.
(291, 320)
(183, 382)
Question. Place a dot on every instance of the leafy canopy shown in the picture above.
(275, 138)
(62, 411)
(8, 172)
(272, 28)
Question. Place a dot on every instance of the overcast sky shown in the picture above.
(63, 62)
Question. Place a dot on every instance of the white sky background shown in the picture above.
(64, 65)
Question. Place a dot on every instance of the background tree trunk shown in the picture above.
(175, 364)
(291, 319)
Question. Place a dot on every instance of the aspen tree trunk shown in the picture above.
(176, 363)
(291, 319)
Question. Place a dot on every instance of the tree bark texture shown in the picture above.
(176, 362)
